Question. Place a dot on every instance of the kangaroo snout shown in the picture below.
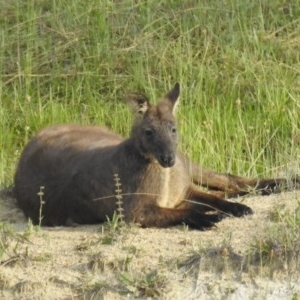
(167, 160)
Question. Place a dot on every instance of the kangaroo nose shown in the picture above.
(167, 160)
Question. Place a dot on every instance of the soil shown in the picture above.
(109, 261)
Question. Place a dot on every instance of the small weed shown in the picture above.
(114, 224)
(295, 296)
(42, 202)
(150, 284)
(31, 229)
(120, 209)
(99, 262)
(112, 229)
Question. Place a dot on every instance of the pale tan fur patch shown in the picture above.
(174, 182)
(164, 198)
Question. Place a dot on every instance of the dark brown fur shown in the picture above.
(76, 165)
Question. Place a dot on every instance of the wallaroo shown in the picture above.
(75, 167)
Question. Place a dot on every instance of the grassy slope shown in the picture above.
(237, 61)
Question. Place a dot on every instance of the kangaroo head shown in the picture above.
(155, 132)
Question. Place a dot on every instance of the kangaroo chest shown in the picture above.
(165, 186)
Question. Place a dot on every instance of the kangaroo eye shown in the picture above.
(149, 132)
(174, 130)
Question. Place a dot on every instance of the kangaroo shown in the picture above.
(76, 166)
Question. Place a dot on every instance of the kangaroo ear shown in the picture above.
(173, 95)
(138, 103)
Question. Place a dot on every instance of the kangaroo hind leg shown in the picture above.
(210, 202)
(154, 216)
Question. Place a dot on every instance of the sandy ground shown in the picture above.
(99, 262)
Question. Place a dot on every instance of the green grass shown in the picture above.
(237, 61)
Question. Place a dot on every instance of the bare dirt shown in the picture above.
(103, 262)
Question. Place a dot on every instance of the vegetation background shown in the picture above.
(238, 63)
